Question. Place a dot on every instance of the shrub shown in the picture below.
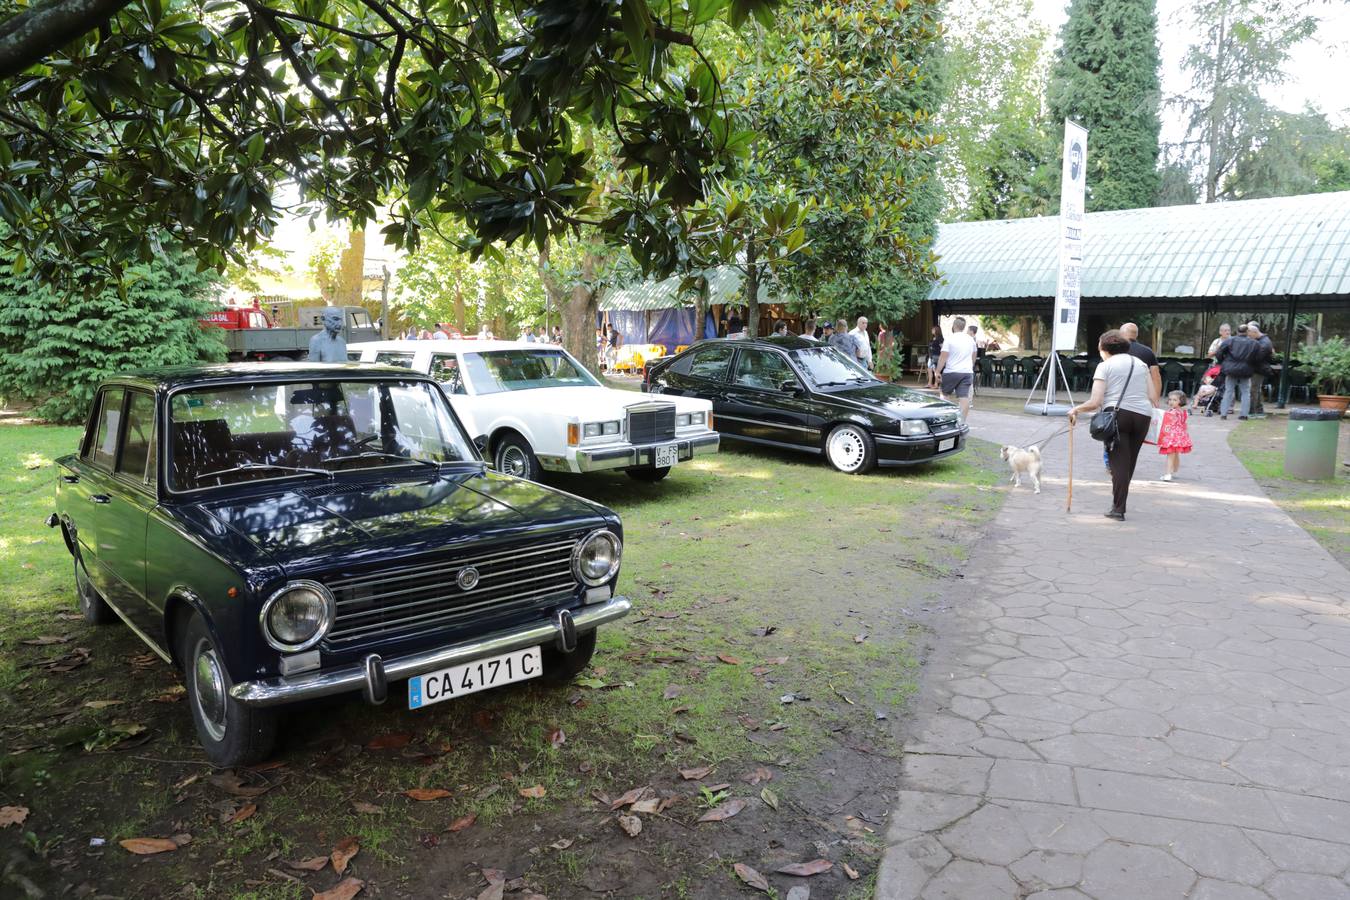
(1328, 364)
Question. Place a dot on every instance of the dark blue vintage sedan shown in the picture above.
(286, 532)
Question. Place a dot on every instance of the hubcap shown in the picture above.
(208, 681)
(512, 461)
(846, 449)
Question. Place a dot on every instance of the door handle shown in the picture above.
(99, 498)
(71, 479)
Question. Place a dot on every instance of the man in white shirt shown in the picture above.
(864, 343)
(956, 366)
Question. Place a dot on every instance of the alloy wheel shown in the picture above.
(847, 449)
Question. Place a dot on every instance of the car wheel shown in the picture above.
(514, 457)
(231, 733)
(560, 667)
(647, 473)
(850, 449)
(95, 609)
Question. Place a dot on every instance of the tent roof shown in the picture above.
(724, 283)
(1241, 249)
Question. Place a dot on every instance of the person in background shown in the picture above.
(1122, 381)
(934, 351)
(863, 342)
(1261, 369)
(842, 341)
(425, 335)
(1144, 352)
(980, 348)
(557, 334)
(735, 323)
(1237, 357)
(440, 334)
(1225, 332)
(810, 329)
(826, 331)
(780, 329)
(612, 350)
(529, 337)
(956, 367)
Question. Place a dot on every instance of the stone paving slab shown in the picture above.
(1149, 709)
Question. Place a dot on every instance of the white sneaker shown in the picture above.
(1165, 477)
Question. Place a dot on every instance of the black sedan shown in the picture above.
(803, 395)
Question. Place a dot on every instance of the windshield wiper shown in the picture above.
(256, 466)
(837, 383)
(380, 454)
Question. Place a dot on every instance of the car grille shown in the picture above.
(650, 424)
(942, 423)
(426, 595)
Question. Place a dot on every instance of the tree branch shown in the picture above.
(37, 32)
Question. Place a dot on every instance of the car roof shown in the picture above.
(453, 345)
(789, 342)
(212, 373)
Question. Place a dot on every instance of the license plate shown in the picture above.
(470, 678)
(668, 455)
(948, 444)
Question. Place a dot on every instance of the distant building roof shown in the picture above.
(724, 283)
(1246, 249)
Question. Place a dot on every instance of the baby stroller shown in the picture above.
(1207, 402)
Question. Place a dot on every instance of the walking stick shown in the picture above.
(1068, 506)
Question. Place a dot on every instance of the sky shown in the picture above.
(1316, 72)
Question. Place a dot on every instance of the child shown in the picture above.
(1173, 439)
(1207, 389)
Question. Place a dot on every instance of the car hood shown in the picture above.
(894, 400)
(315, 527)
(591, 404)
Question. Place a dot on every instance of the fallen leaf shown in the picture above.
(230, 782)
(493, 876)
(776, 661)
(631, 825)
(12, 815)
(429, 840)
(463, 822)
(46, 640)
(807, 869)
(723, 812)
(859, 638)
(533, 793)
(493, 891)
(799, 892)
(343, 853)
(696, 774)
(778, 726)
(172, 695)
(751, 877)
(148, 846)
(672, 691)
(362, 806)
(561, 844)
(557, 737)
(769, 797)
(102, 704)
(728, 659)
(313, 864)
(759, 775)
(759, 670)
(345, 889)
(425, 794)
(243, 813)
(389, 742)
(632, 796)
(650, 805)
(851, 872)
(714, 788)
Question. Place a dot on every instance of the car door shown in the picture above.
(703, 373)
(88, 484)
(123, 518)
(766, 401)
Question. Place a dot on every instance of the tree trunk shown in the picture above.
(578, 308)
(459, 308)
(701, 307)
(351, 270)
(751, 290)
(1214, 163)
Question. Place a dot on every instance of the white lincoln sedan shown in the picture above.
(535, 408)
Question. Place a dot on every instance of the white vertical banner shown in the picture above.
(1072, 194)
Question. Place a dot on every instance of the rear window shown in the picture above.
(711, 363)
(137, 442)
(104, 448)
(400, 358)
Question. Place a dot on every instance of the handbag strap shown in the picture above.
(1124, 388)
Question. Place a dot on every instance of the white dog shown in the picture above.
(1023, 461)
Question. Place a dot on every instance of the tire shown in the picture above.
(647, 473)
(513, 456)
(231, 733)
(560, 668)
(850, 449)
(95, 609)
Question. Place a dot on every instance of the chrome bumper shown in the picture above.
(630, 455)
(372, 674)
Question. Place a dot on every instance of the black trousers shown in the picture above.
(1132, 429)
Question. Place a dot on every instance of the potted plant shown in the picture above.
(1329, 369)
(890, 366)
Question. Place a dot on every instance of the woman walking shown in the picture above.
(1121, 381)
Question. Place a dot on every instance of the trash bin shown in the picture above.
(1310, 443)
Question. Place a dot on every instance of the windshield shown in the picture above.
(523, 370)
(307, 429)
(827, 367)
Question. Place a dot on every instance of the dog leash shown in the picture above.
(1038, 444)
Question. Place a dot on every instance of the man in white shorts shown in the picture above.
(956, 367)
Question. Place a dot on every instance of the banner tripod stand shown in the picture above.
(1048, 406)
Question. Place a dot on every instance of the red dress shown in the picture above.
(1173, 437)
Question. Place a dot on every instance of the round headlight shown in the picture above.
(297, 617)
(597, 558)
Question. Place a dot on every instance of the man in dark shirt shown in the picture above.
(1261, 367)
(1237, 357)
(1144, 352)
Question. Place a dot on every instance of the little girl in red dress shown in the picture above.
(1173, 440)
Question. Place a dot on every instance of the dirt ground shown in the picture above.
(778, 632)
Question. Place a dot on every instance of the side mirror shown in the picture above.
(481, 442)
(791, 388)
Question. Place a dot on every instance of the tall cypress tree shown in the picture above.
(1106, 78)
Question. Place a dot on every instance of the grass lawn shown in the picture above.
(1322, 508)
(776, 628)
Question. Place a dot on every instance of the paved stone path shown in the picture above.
(1151, 709)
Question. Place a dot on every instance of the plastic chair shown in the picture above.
(1173, 373)
(1030, 367)
(986, 367)
(1299, 384)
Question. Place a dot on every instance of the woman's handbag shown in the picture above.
(1103, 426)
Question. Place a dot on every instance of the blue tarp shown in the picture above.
(671, 327)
